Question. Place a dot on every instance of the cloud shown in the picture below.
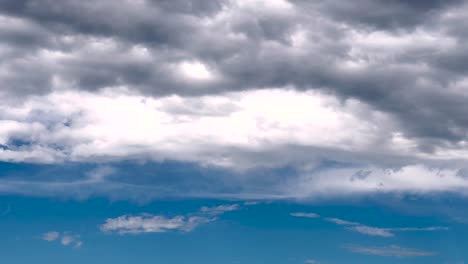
(391, 251)
(151, 224)
(51, 236)
(372, 231)
(379, 231)
(221, 209)
(66, 238)
(250, 203)
(311, 261)
(385, 92)
(306, 215)
(340, 221)
(407, 179)
(147, 223)
(71, 240)
(397, 61)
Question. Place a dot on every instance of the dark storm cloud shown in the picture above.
(383, 14)
(90, 45)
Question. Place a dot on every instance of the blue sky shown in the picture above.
(382, 228)
(233, 131)
(252, 233)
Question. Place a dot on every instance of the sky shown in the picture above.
(233, 131)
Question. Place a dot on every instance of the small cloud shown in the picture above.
(306, 215)
(372, 231)
(340, 221)
(379, 231)
(78, 244)
(431, 228)
(391, 251)
(218, 210)
(146, 223)
(311, 261)
(51, 236)
(66, 239)
(100, 173)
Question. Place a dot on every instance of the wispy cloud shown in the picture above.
(217, 210)
(7, 210)
(340, 221)
(311, 261)
(148, 223)
(66, 239)
(127, 224)
(51, 236)
(391, 251)
(379, 231)
(71, 240)
(372, 231)
(306, 215)
(249, 203)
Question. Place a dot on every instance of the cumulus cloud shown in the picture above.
(378, 85)
(397, 61)
(391, 251)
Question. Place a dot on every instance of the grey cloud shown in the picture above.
(414, 72)
(381, 14)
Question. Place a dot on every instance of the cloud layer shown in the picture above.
(378, 87)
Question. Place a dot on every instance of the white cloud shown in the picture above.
(217, 210)
(237, 131)
(340, 221)
(196, 71)
(391, 251)
(201, 129)
(51, 236)
(311, 261)
(147, 223)
(372, 231)
(151, 224)
(364, 180)
(379, 231)
(66, 239)
(306, 215)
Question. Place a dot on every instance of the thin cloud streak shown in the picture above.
(391, 251)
